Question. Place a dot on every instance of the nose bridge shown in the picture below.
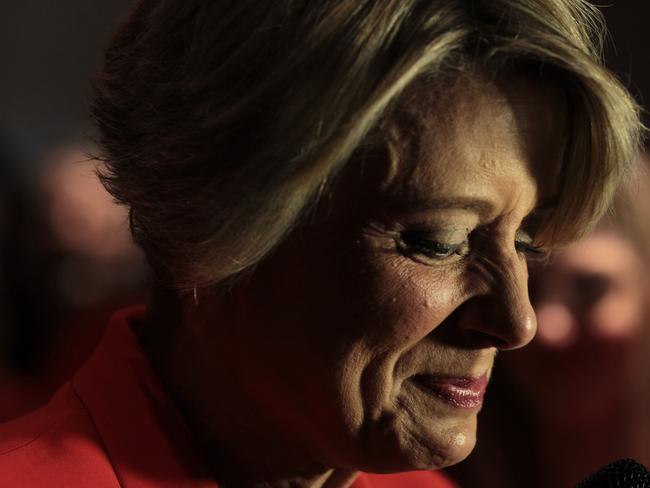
(512, 319)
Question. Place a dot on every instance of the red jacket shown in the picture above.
(112, 426)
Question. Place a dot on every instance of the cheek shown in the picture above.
(407, 300)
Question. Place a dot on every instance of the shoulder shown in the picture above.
(55, 446)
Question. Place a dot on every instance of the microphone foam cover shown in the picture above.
(624, 473)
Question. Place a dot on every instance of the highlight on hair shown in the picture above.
(222, 122)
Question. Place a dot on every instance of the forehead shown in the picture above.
(480, 138)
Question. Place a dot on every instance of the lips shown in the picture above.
(459, 392)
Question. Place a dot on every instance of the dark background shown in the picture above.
(48, 49)
(627, 51)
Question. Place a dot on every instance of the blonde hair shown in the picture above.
(223, 122)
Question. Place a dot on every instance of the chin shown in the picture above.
(412, 445)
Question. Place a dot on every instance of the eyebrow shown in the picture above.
(484, 208)
(478, 205)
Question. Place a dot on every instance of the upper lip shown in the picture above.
(476, 384)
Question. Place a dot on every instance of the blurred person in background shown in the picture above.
(48, 51)
(99, 259)
(583, 384)
(68, 261)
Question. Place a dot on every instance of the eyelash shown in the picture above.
(437, 250)
(441, 251)
(528, 248)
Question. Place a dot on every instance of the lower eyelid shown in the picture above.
(528, 247)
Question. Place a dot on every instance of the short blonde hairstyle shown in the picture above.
(222, 122)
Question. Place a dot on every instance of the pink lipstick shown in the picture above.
(459, 392)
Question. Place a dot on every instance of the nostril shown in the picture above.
(485, 340)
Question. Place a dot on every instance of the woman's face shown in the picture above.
(366, 340)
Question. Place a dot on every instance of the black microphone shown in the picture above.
(624, 473)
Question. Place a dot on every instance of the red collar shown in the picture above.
(147, 441)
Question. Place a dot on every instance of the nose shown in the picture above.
(501, 316)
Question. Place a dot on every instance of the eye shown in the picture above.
(524, 244)
(436, 249)
(528, 248)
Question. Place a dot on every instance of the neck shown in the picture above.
(237, 445)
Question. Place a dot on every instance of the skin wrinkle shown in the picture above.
(419, 442)
(438, 455)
